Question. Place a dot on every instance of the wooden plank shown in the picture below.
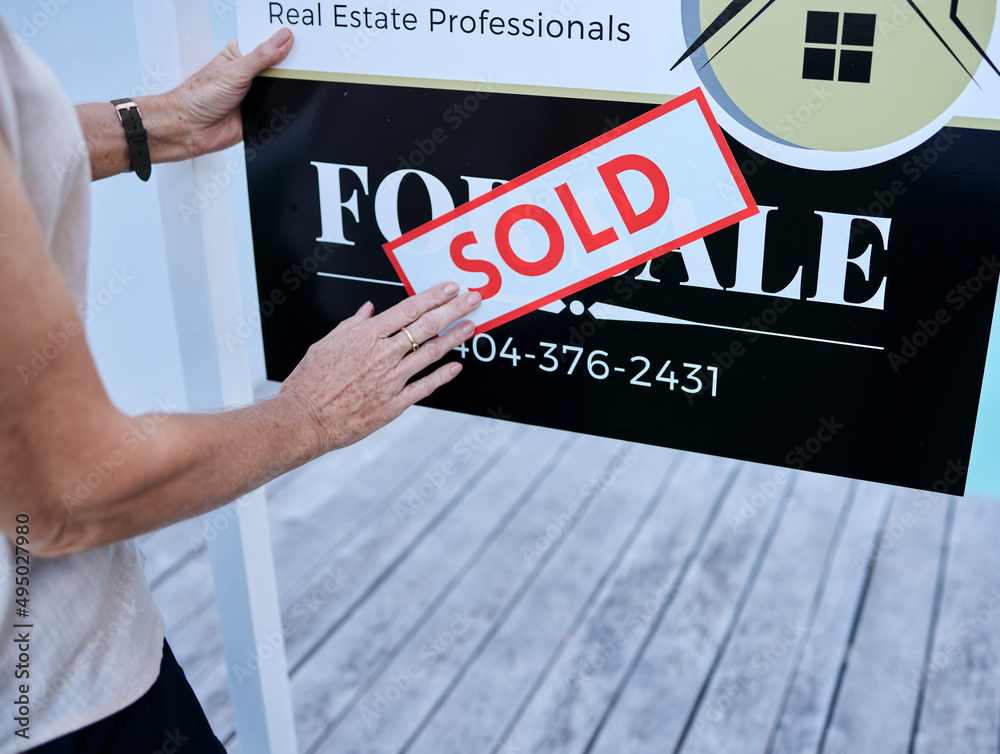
(484, 699)
(561, 715)
(395, 703)
(332, 506)
(362, 648)
(184, 597)
(652, 709)
(961, 682)
(307, 490)
(891, 637)
(167, 549)
(741, 702)
(810, 692)
(411, 513)
(349, 460)
(348, 575)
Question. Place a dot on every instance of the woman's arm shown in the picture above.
(200, 116)
(87, 474)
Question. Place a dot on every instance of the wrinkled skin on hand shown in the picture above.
(357, 378)
(207, 105)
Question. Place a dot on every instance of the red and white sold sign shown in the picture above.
(649, 186)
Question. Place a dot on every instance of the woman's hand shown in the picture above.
(201, 115)
(354, 380)
(205, 109)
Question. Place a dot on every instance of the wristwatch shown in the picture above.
(135, 135)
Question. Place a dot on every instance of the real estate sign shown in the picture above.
(842, 327)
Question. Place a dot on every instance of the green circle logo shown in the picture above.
(838, 75)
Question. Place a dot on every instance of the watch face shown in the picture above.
(838, 76)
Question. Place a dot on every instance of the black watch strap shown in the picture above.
(135, 135)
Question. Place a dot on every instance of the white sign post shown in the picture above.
(175, 36)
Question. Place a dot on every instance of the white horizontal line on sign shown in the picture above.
(622, 314)
(363, 280)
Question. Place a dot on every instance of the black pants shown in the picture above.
(166, 719)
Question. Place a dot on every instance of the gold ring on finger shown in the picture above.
(413, 343)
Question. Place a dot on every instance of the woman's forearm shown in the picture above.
(105, 135)
(149, 471)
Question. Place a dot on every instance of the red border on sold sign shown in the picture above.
(696, 95)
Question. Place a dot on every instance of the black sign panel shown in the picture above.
(843, 330)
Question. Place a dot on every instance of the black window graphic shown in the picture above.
(856, 31)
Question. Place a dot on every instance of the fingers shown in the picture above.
(437, 320)
(435, 349)
(411, 309)
(424, 316)
(420, 389)
(364, 312)
(358, 318)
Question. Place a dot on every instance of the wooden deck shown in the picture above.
(462, 585)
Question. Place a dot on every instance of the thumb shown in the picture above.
(267, 53)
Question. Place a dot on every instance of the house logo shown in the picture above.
(840, 76)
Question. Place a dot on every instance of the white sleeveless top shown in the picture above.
(95, 638)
